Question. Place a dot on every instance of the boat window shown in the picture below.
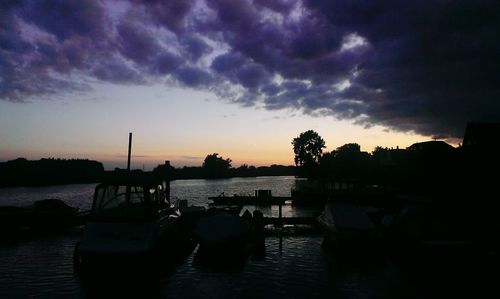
(120, 202)
(136, 206)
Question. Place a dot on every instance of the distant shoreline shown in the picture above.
(51, 172)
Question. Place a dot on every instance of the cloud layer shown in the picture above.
(428, 65)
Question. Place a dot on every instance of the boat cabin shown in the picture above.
(135, 196)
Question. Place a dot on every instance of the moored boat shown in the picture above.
(426, 229)
(46, 215)
(224, 237)
(132, 220)
(348, 226)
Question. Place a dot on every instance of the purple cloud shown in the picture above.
(116, 70)
(428, 65)
(171, 13)
(195, 47)
(65, 19)
(193, 77)
(137, 43)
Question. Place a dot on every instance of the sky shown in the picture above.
(240, 78)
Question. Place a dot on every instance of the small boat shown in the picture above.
(347, 226)
(427, 229)
(53, 213)
(46, 215)
(224, 236)
(132, 220)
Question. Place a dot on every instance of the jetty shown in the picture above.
(264, 198)
(281, 221)
(261, 198)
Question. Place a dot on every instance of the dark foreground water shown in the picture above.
(292, 267)
(42, 268)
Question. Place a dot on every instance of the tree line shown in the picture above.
(432, 167)
(215, 166)
(52, 171)
(49, 171)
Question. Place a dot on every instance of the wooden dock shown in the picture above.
(277, 221)
(264, 198)
(241, 200)
(290, 226)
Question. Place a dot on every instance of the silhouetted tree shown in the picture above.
(215, 166)
(164, 171)
(346, 162)
(380, 153)
(308, 147)
(348, 150)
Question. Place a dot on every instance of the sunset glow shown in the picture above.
(238, 78)
(178, 125)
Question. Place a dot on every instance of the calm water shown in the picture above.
(195, 191)
(293, 267)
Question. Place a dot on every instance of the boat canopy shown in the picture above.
(120, 202)
(134, 177)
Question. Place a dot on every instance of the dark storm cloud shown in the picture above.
(10, 41)
(171, 13)
(167, 62)
(195, 47)
(240, 70)
(193, 77)
(65, 18)
(38, 67)
(434, 61)
(280, 6)
(116, 70)
(428, 65)
(137, 43)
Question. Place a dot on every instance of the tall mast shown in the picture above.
(129, 150)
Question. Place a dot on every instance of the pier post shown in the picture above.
(280, 215)
(280, 246)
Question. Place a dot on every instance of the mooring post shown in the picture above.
(280, 215)
(280, 247)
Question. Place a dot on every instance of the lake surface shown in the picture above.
(293, 266)
(195, 191)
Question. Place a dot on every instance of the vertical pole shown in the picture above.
(280, 247)
(167, 183)
(129, 150)
(281, 228)
(127, 195)
(280, 216)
